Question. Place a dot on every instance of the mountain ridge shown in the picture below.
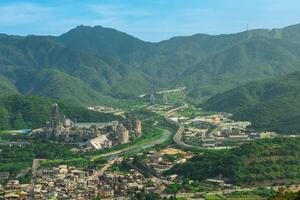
(116, 64)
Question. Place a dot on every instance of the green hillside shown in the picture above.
(102, 41)
(59, 85)
(18, 112)
(272, 104)
(106, 62)
(6, 87)
(263, 162)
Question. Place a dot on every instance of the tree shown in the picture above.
(173, 189)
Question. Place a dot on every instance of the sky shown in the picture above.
(149, 20)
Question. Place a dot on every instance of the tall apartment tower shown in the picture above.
(54, 118)
(138, 127)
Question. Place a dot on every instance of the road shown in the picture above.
(178, 135)
(225, 191)
(166, 91)
(166, 134)
(171, 90)
(135, 148)
(35, 165)
(105, 167)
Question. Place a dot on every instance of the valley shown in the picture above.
(178, 135)
(97, 113)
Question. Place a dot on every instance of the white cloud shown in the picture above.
(23, 13)
(106, 10)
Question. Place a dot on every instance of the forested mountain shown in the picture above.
(17, 112)
(271, 104)
(106, 62)
(263, 162)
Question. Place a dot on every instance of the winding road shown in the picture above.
(177, 138)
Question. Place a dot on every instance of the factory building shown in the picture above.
(54, 118)
(134, 126)
(99, 142)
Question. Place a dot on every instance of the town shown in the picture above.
(124, 174)
(121, 177)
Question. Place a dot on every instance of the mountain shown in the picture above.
(103, 41)
(271, 104)
(6, 87)
(261, 163)
(104, 62)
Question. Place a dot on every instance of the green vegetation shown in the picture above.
(6, 87)
(188, 186)
(105, 63)
(272, 104)
(193, 112)
(15, 158)
(76, 162)
(144, 196)
(285, 195)
(121, 167)
(260, 193)
(18, 112)
(262, 162)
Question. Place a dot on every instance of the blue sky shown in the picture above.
(150, 20)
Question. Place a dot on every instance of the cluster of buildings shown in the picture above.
(230, 133)
(119, 178)
(165, 159)
(216, 131)
(66, 182)
(92, 135)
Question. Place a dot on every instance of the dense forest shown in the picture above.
(91, 64)
(258, 163)
(271, 104)
(18, 112)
